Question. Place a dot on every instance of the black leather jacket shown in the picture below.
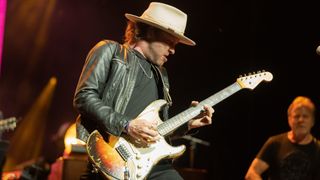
(105, 87)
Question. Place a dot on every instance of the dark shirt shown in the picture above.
(145, 90)
(290, 161)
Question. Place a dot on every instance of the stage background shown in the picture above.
(50, 39)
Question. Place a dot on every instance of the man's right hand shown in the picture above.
(143, 131)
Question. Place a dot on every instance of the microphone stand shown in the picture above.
(193, 144)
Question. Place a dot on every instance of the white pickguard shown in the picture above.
(142, 159)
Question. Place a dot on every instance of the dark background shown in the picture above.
(233, 38)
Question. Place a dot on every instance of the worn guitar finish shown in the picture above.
(123, 158)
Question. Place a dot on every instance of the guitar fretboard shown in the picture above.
(178, 120)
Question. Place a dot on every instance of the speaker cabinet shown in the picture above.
(68, 168)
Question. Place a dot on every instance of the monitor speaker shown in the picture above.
(68, 168)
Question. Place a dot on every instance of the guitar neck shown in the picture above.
(178, 120)
(7, 124)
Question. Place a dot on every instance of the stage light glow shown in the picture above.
(71, 139)
(3, 6)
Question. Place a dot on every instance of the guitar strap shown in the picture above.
(162, 76)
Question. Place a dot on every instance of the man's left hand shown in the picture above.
(203, 119)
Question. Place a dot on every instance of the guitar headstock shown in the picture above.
(252, 80)
(8, 124)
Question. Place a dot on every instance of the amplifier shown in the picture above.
(68, 168)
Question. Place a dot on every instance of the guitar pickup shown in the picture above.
(123, 151)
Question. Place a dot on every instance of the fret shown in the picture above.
(183, 117)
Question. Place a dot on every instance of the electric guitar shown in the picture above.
(124, 158)
(8, 124)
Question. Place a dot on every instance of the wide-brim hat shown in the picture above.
(166, 18)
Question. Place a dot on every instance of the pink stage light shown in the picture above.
(3, 5)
